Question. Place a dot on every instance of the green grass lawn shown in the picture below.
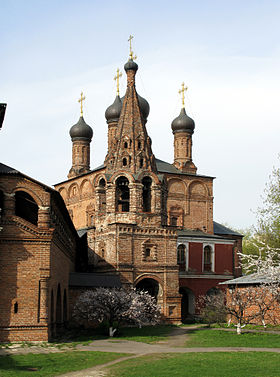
(52, 364)
(221, 338)
(249, 364)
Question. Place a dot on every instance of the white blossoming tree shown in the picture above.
(116, 305)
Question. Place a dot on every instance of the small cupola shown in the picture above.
(81, 130)
(113, 112)
(81, 135)
(183, 123)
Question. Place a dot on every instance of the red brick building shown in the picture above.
(38, 245)
(138, 221)
(148, 221)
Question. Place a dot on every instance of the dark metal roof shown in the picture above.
(165, 167)
(5, 169)
(82, 175)
(93, 280)
(221, 229)
(248, 279)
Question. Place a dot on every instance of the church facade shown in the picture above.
(135, 221)
(148, 221)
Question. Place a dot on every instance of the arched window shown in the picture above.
(207, 258)
(15, 308)
(139, 145)
(26, 207)
(141, 162)
(102, 187)
(122, 194)
(125, 145)
(146, 194)
(124, 161)
(181, 254)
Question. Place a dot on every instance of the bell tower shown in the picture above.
(130, 150)
(81, 135)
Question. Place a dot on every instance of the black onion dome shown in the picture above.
(143, 106)
(113, 112)
(183, 123)
(130, 65)
(81, 130)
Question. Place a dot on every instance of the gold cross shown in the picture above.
(182, 91)
(81, 102)
(130, 48)
(117, 78)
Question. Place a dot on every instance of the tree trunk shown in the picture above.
(112, 331)
(238, 328)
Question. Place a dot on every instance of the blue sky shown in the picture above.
(227, 53)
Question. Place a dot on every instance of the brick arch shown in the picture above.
(198, 189)
(63, 192)
(70, 193)
(153, 176)
(122, 173)
(86, 188)
(97, 179)
(36, 198)
(177, 186)
(148, 276)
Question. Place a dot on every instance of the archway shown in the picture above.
(151, 286)
(187, 303)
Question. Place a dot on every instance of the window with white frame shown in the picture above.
(208, 258)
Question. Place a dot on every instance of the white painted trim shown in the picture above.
(204, 276)
(183, 239)
(186, 244)
(212, 246)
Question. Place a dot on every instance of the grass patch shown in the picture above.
(221, 338)
(52, 364)
(257, 364)
(147, 334)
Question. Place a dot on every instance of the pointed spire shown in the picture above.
(132, 150)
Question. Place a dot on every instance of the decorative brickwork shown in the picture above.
(35, 259)
(133, 207)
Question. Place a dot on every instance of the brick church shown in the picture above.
(135, 221)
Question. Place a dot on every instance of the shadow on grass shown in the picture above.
(148, 334)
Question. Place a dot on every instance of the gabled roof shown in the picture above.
(223, 230)
(93, 280)
(248, 280)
